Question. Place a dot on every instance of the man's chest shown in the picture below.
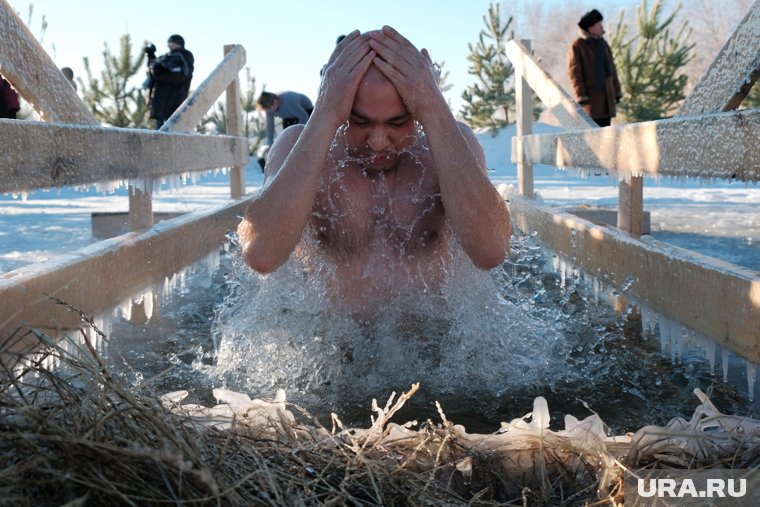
(400, 211)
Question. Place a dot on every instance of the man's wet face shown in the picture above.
(377, 144)
(379, 127)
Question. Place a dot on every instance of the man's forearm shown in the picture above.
(475, 210)
(274, 221)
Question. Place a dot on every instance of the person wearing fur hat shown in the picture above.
(592, 70)
(169, 78)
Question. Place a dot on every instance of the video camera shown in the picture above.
(150, 50)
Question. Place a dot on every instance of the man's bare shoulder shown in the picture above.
(473, 143)
(281, 147)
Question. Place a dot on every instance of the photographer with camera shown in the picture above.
(168, 79)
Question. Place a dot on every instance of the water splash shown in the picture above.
(278, 331)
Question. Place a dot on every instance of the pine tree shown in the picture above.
(650, 64)
(254, 126)
(111, 99)
(752, 100)
(495, 91)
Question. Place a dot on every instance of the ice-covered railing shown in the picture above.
(676, 339)
(705, 140)
(68, 148)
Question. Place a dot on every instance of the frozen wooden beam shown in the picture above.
(716, 298)
(716, 145)
(731, 75)
(191, 111)
(24, 62)
(234, 127)
(101, 276)
(561, 105)
(43, 155)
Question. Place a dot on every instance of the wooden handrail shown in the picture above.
(561, 105)
(716, 145)
(100, 277)
(43, 155)
(35, 76)
(191, 111)
(712, 297)
(733, 72)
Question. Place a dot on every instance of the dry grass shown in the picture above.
(71, 435)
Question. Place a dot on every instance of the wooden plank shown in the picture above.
(44, 155)
(716, 298)
(24, 62)
(524, 100)
(234, 128)
(561, 105)
(190, 113)
(630, 216)
(715, 145)
(140, 206)
(731, 75)
(99, 277)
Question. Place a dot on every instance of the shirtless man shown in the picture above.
(378, 198)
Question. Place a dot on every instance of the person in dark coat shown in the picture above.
(9, 102)
(592, 71)
(169, 78)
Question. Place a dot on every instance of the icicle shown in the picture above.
(751, 375)
(597, 287)
(677, 341)
(662, 335)
(555, 263)
(724, 353)
(147, 298)
(212, 262)
(125, 309)
(670, 335)
(710, 348)
(169, 284)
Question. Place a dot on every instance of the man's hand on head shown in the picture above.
(344, 71)
(409, 69)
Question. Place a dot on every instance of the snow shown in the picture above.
(718, 218)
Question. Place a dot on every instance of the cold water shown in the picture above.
(493, 342)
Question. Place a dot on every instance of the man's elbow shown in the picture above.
(260, 263)
(497, 250)
(492, 258)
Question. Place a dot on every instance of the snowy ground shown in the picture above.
(721, 219)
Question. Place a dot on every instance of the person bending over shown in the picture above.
(294, 108)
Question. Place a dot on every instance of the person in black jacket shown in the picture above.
(169, 78)
(9, 103)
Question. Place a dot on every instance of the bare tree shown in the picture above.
(712, 24)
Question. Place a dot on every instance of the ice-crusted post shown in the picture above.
(524, 103)
(630, 217)
(234, 128)
(140, 204)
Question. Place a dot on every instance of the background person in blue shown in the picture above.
(169, 78)
(294, 108)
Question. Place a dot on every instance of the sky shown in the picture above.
(286, 41)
